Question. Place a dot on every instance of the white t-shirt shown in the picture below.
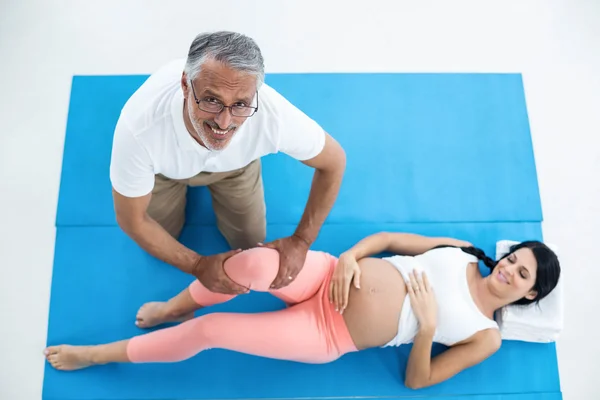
(151, 138)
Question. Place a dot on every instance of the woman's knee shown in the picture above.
(255, 268)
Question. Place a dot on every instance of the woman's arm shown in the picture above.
(399, 243)
(423, 371)
(369, 246)
(412, 244)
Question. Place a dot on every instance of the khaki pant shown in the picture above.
(237, 198)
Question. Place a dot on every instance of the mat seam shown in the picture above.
(423, 396)
(332, 223)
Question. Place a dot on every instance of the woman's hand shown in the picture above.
(451, 242)
(462, 243)
(346, 272)
(423, 301)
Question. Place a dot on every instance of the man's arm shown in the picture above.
(329, 167)
(132, 174)
(148, 234)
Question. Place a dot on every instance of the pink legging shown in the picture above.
(309, 330)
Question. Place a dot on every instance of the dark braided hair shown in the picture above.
(548, 271)
(481, 256)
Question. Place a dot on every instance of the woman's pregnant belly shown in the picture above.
(373, 311)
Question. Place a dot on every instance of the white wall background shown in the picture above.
(555, 44)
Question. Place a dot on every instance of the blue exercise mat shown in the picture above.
(461, 140)
(452, 156)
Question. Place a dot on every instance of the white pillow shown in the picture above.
(540, 322)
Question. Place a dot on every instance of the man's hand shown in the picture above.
(209, 271)
(292, 254)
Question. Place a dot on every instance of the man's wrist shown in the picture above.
(303, 238)
(197, 258)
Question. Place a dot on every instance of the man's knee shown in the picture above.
(174, 228)
(167, 205)
(171, 220)
(246, 236)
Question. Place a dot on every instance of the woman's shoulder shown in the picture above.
(488, 340)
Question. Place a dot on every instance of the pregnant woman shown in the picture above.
(430, 291)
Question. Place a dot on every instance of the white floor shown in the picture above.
(555, 44)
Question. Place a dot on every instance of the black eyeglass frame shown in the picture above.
(231, 108)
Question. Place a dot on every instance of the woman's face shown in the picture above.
(514, 276)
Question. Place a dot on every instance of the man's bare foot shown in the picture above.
(157, 313)
(69, 358)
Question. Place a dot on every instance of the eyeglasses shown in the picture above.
(214, 106)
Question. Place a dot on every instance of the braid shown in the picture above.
(480, 254)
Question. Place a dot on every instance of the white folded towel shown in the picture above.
(532, 323)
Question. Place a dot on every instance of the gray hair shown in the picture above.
(234, 49)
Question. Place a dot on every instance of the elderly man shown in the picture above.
(207, 121)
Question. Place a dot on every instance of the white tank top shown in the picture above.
(458, 315)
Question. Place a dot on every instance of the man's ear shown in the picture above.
(184, 85)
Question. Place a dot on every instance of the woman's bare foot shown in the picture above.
(69, 358)
(157, 313)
